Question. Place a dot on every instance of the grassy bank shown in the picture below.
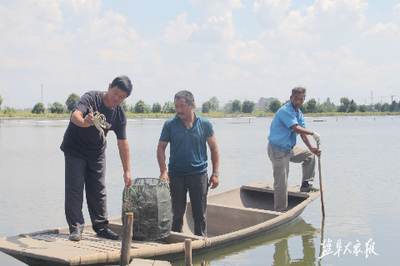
(22, 114)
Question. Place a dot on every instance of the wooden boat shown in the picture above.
(232, 216)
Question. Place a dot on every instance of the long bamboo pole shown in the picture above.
(320, 184)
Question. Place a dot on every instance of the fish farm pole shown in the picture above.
(126, 240)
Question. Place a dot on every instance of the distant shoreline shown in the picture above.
(209, 115)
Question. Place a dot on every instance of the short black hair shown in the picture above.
(299, 89)
(185, 94)
(123, 83)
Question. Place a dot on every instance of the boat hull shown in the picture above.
(232, 216)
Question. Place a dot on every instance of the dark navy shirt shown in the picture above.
(188, 150)
(86, 142)
(282, 136)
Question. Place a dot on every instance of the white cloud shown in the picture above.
(216, 29)
(386, 32)
(338, 14)
(397, 12)
(83, 7)
(179, 31)
(390, 30)
(219, 5)
(306, 25)
(251, 52)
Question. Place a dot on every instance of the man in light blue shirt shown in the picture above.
(286, 125)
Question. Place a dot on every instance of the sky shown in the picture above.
(231, 49)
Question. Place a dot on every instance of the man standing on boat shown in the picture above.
(286, 125)
(188, 134)
(84, 148)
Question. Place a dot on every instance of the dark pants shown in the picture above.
(197, 185)
(81, 174)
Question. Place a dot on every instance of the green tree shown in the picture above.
(228, 107)
(140, 107)
(248, 107)
(8, 110)
(274, 105)
(215, 103)
(38, 108)
(378, 107)
(303, 108)
(71, 101)
(207, 106)
(312, 106)
(393, 107)
(385, 107)
(124, 106)
(236, 106)
(344, 105)
(362, 108)
(156, 108)
(352, 107)
(168, 108)
(327, 106)
(1, 102)
(57, 108)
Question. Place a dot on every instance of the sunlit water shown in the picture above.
(360, 173)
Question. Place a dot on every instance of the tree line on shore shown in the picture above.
(213, 106)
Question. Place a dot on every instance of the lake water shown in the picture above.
(360, 172)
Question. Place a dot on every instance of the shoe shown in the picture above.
(107, 233)
(309, 188)
(75, 236)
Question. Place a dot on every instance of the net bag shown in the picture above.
(149, 200)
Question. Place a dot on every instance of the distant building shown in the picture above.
(263, 103)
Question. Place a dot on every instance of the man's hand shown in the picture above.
(164, 175)
(127, 179)
(214, 181)
(316, 151)
(88, 120)
(317, 137)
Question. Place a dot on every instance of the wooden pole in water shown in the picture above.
(126, 240)
(188, 252)
(320, 184)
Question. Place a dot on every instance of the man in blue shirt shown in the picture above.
(287, 123)
(188, 134)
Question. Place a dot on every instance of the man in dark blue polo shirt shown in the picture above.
(188, 134)
(286, 125)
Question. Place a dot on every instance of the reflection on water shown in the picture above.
(279, 238)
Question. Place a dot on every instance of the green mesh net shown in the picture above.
(149, 200)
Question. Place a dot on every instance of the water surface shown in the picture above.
(359, 170)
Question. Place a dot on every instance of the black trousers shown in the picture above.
(197, 185)
(80, 174)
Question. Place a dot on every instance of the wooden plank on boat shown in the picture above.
(143, 262)
(261, 187)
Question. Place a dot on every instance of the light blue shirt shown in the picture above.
(282, 136)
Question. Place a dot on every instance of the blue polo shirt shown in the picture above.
(188, 150)
(281, 135)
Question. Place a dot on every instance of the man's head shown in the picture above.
(118, 91)
(298, 96)
(184, 104)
